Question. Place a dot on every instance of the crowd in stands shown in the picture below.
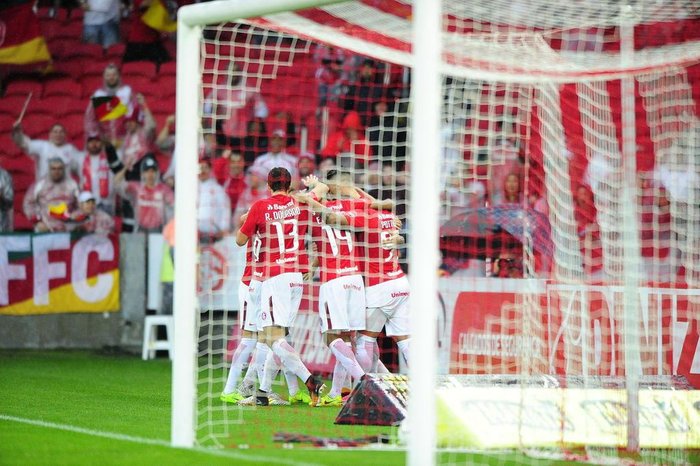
(116, 174)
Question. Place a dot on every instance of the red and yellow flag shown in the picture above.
(108, 108)
(21, 41)
(158, 17)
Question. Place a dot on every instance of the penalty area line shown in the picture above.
(157, 442)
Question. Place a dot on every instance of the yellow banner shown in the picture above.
(495, 417)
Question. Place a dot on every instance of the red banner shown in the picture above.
(575, 330)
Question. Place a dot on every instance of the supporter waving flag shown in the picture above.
(21, 41)
(108, 107)
(160, 16)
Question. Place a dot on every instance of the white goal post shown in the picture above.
(426, 111)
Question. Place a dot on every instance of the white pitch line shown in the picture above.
(149, 441)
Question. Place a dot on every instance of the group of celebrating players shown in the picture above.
(354, 240)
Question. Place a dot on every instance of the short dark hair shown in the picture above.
(334, 174)
(279, 179)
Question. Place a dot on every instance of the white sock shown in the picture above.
(272, 367)
(343, 353)
(364, 350)
(240, 357)
(403, 350)
(379, 367)
(292, 382)
(261, 350)
(339, 376)
(290, 358)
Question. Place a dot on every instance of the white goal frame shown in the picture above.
(424, 256)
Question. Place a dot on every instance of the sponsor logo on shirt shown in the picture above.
(351, 286)
(296, 285)
(399, 294)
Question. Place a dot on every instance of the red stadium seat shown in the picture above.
(141, 68)
(115, 53)
(168, 69)
(61, 105)
(75, 128)
(37, 125)
(62, 87)
(90, 83)
(24, 87)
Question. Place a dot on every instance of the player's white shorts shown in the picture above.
(280, 297)
(249, 305)
(387, 305)
(341, 304)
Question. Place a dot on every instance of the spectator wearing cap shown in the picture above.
(112, 86)
(89, 219)
(96, 176)
(213, 206)
(277, 157)
(256, 189)
(43, 150)
(152, 200)
(350, 142)
(7, 197)
(138, 140)
(306, 165)
(48, 201)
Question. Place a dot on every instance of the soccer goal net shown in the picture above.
(531, 167)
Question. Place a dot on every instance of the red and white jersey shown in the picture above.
(276, 226)
(151, 205)
(248, 270)
(379, 264)
(336, 248)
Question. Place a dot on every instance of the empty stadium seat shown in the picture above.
(62, 87)
(60, 105)
(141, 68)
(23, 88)
(37, 125)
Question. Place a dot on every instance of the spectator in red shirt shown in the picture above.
(234, 182)
(348, 140)
(143, 43)
(153, 201)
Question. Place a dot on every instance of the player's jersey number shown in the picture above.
(336, 236)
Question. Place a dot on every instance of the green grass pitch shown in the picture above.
(87, 408)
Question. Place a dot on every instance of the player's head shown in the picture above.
(336, 180)
(279, 179)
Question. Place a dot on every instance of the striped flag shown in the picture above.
(21, 41)
(108, 108)
(158, 17)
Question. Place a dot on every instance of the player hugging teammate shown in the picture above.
(363, 289)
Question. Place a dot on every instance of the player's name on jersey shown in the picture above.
(286, 212)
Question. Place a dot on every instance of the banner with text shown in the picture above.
(572, 330)
(58, 273)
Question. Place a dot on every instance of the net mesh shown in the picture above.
(533, 204)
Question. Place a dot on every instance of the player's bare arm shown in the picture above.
(241, 238)
(327, 215)
(376, 204)
(393, 241)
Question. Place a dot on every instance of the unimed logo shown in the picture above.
(399, 294)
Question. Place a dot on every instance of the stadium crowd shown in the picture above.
(351, 113)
